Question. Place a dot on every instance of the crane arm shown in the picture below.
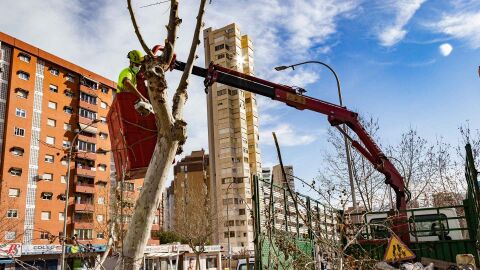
(336, 114)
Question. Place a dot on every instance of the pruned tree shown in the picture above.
(171, 131)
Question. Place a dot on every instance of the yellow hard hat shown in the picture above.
(135, 56)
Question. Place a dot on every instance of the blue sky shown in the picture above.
(386, 53)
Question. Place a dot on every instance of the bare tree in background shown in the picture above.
(473, 138)
(171, 129)
(368, 181)
(195, 219)
(412, 155)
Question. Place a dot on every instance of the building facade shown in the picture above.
(233, 137)
(192, 214)
(279, 180)
(47, 106)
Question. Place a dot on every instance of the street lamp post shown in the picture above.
(65, 213)
(347, 145)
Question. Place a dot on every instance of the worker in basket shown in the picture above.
(127, 82)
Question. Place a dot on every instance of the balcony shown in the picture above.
(82, 224)
(87, 90)
(86, 155)
(84, 188)
(86, 170)
(87, 138)
(88, 106)
(84, 207)
(86, 121)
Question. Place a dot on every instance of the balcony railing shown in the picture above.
(84, 206)
(84, 188)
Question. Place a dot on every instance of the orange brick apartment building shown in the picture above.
(44, 101)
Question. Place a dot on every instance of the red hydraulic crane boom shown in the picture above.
(337, 115)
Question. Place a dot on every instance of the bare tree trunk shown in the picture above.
(171, 134)
(139, 228)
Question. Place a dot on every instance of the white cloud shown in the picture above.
(465, 26)
(287, 136)
(445, 49)
(394, 32)
(97, 36)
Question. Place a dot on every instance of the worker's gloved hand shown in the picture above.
(143, 107)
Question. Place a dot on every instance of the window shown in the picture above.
(63, 179)
(101, 200)
(101, 184)
(219, 47)
(17, 151)
(51, 122)
(221, 56)
(67, 126)
(49, 158)
(103, 119)
(54, 71)
(47, 196)
(15, 171)
(68, 93)
(68, 109)
(13, 192)
(53, 88)
(24, 57)
(10, 235)
(103, 105)
(66, 144)
(88, 98)
(44, 235)
(100, 218)
(61, 216)
(86, 146)
(221, 92)
(83, 234)
(20, 113)
(47, 177)
(19, 132)
(50, 140)
(87, 113)
(12, 213)
(429, 225)
(21, 93)
(23, 75)
(104, 90)
(241, 211)
(46, 215)
(129, 186)
(88, 83)
(52, 105)
(70, 77)
(102, 167)
(100, 235)
(156, 219)
(103, 136)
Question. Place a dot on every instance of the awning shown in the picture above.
(6, 261)
(89, 129)
(162, 254)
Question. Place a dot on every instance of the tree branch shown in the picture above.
(137, 30)
(172, 27)
(181, 96)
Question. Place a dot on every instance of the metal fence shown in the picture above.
(290, 230)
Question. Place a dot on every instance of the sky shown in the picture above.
(409, 63)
